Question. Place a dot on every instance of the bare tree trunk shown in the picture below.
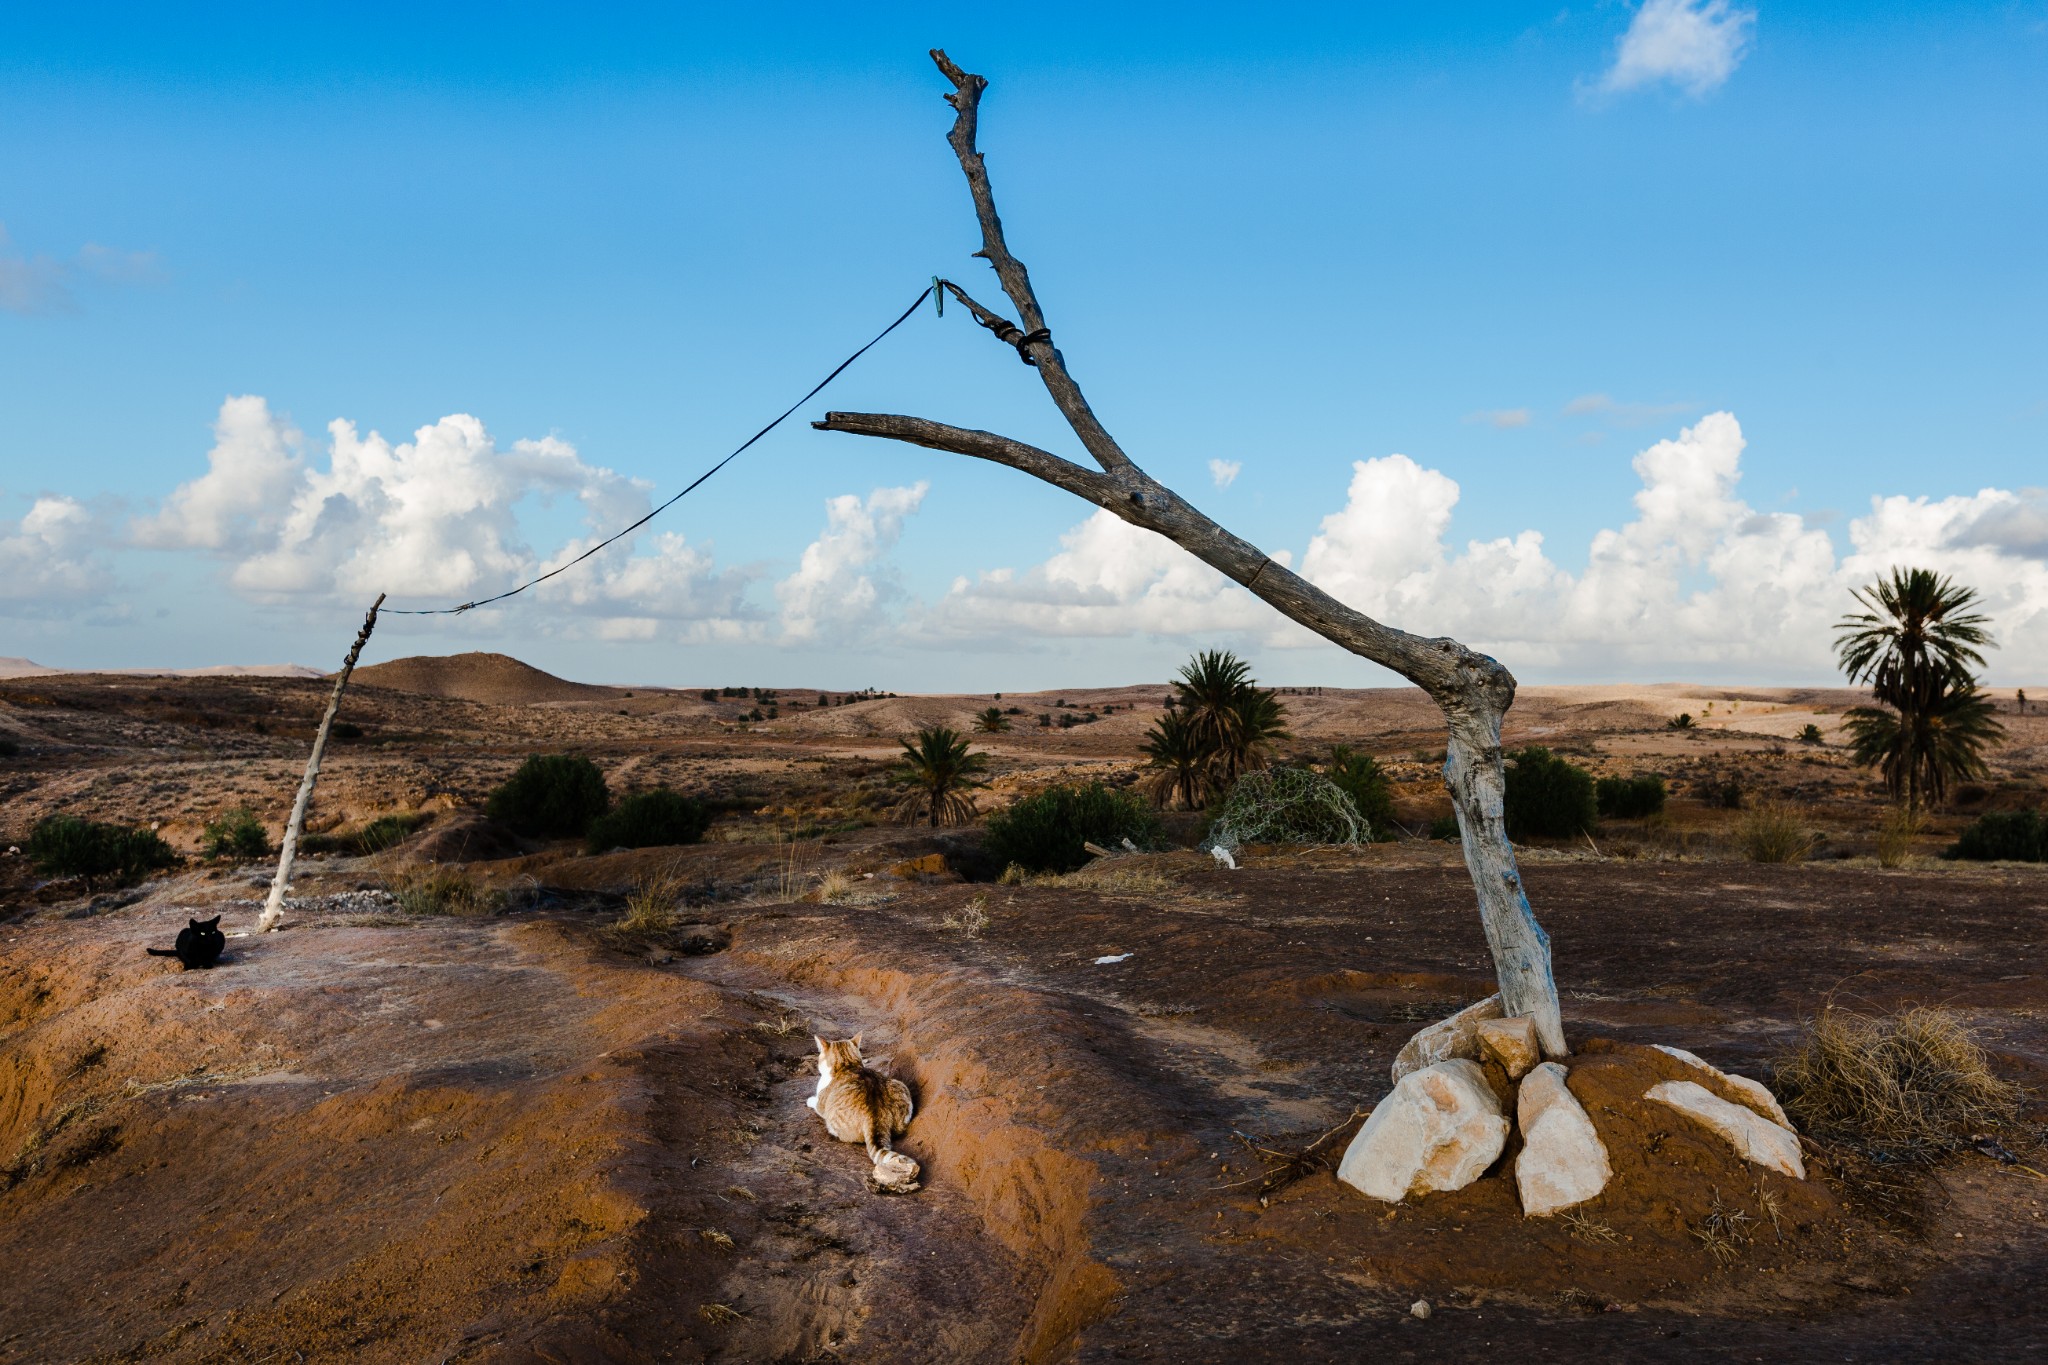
(1473, 689)
(273, 909)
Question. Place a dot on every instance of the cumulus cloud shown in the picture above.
(437, 519)
(1697, 583)
(1109, 579)
(52, 558)
(843, 586)
(41, 284)
(1224, 472)
(1694, 45)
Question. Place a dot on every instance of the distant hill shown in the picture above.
(27, 668)
(497, 679)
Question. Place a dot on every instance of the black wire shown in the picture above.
(818, 388)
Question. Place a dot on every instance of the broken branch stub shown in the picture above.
(1473, 690)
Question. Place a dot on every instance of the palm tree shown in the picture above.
(1233, 719)
(1921, 748)
(1180, 763)
(991, 721)
(939, 771)
(1916, 647)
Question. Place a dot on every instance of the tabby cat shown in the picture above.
(199, 944)
(859, 1105)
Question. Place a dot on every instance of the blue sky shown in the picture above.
(1531, 250)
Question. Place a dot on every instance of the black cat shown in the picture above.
(199, 944)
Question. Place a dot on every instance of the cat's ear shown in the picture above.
(819, 1041)
(855, 1040)
(213, 923)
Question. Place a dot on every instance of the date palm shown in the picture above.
(1916, 646)
(1179, 762)
(991, 721)
(939, 773)
(1234, 720)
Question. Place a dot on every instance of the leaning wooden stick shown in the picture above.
(273, 909)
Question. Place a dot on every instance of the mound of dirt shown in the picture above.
(495, 679)
(463, 839)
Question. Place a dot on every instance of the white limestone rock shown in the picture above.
(1512, 1043)
(1756, 1092)
(1562, 1162)
(1457, 1036)
(1439, 1130)
(1752, 1135)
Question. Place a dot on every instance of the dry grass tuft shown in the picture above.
(1772, 832)
(972, 919)
(835, 888)
(651, 909)
(1913, 1085)
(1895, 836)
(433, 890)
(1585, 1229)
(720, 1314)
(1724, 1231)
(1111, 876)
(716, 1238)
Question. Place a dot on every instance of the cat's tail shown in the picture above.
(161, 952)
(878, 1137)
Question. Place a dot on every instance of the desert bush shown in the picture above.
(1629, 798)
(1726, 794)
(2019, 836)
(380, 834)
(1910, 1085)
(66, 846)
(1360, 777)
(552, 796)
(1548, 795)
(234, 834)
(650, 819)
(1445, 827)
(1045, 832)
(1681, 721)
(442, 891)
(653, 909)
(1286, 806)
(1772, 833)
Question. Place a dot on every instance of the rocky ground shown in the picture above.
(517, 1136)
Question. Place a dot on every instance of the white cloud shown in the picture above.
(842, 587)
(1109, 579)
(40, 284)
(435, 520)
(1224, 472)
(1504, 418)
(52, 558)
(1697, 583)
(245, 493)
(1692, 44)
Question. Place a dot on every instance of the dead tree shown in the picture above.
(1474, 690)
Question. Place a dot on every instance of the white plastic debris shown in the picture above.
(1222, 856)
(1105, 961)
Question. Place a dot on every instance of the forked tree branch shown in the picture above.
(1473, 689)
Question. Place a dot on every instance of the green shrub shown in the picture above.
(2019, 836)
(650, 819)
(1286, 806)
(552, 796)
(1044, 832)
(1629, 798)
(443, 891)
(1445, 827)
(1360, 777)
(66, 846)
(1548, 796)
(1810, 734)
(235, 834)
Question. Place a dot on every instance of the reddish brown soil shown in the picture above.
(500, 1139)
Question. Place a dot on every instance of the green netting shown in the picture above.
(1287, 806)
